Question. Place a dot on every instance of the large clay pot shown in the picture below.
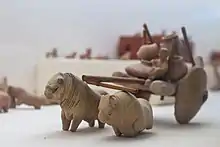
(177, 68)
(148, 52)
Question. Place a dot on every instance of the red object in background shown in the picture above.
(87, 54)
(215, 56)
(132, 44)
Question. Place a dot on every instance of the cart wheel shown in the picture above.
(190, 95)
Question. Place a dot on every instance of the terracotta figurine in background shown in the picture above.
(71, 56)
(87, 54)
(215, 62)
(127, 115)
(52, 54)
(78, 101)
(5, 99)
(23, 97)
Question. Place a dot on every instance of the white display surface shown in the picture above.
(26, 127)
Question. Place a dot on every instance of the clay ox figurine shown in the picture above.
(23, 97)
(52, 54)
(127, 115)
(77, 100)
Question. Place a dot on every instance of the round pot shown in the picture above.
(177, 68)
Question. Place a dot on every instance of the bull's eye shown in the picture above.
(109, 113)
(54, 89)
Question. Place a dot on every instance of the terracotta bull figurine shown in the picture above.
(126, 114)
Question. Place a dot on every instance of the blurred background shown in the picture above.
(29, 29)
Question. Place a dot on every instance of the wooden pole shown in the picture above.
(146, 30)
(183, 29)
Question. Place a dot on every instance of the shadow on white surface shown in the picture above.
(171, 125)
(85, 131)
(142, 136)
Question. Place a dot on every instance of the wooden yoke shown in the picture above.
(114, 83)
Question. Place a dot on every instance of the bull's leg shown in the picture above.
(75, 124)
(37, 107)
(117, 131)
(5, 109)
(92, 123)
(13, 102)
(65, 122)
(101, 125)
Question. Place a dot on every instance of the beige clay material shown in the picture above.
(148, 52)
(141, 94)
(199, 62)
(160, 65)
(4, 84)
(162, 88)
(23, 97)
(139, 70)
(5, 101)
(153, 69)
(77, 100)
(190, 95)
(177, 68)
(127, 115)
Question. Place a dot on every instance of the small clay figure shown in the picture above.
(215, 62)
(23, 97)
(153, 69)
(5, 101)
(4, 84)
(159, 66)
(87, 54)
(126, 114)
(148, 51)
(77, 100)
(52, 54)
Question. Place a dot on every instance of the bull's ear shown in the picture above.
(113, 101)
(60, 73)
(60, 81)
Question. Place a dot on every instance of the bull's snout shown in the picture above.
(102, 118)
